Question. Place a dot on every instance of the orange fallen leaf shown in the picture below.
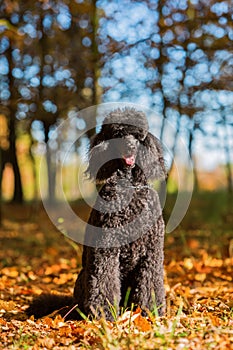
(51, 270)
(142, 324)
(47, 279)
(10, 271)
(63, 278)
(200, 277)
(193, 243)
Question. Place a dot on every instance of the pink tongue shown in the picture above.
(130, 160)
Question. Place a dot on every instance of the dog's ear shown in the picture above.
(102, 158)
(150, 158)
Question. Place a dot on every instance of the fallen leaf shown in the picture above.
(10, 271)
(200, 277)
(7, 305)
(142, 324)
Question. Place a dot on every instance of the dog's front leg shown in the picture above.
(100, 283)
(148, 287)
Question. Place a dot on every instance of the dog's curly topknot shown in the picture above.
(128, 121)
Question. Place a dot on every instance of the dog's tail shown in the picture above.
(46, 303)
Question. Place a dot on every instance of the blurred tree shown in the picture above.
(181, 52)
(9, 154)
(49, 54)
(227, 148)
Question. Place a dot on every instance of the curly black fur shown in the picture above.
(125, 232)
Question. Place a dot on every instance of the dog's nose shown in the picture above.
(130, 143)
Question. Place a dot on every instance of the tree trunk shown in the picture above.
(190, 148)
(173, 150)
(18, 190)
(95, 63)
(227, 155)
(1, 170)
(160, 65)
(51, 171)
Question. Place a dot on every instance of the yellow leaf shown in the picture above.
(200, 277)
(7, 305)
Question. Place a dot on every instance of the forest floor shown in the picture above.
(35, 258)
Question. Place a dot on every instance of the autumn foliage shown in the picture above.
(199, 269)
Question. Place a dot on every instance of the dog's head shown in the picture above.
(125, 144)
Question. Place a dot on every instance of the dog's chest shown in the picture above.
(123, 215)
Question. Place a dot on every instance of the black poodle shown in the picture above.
(123, 252)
